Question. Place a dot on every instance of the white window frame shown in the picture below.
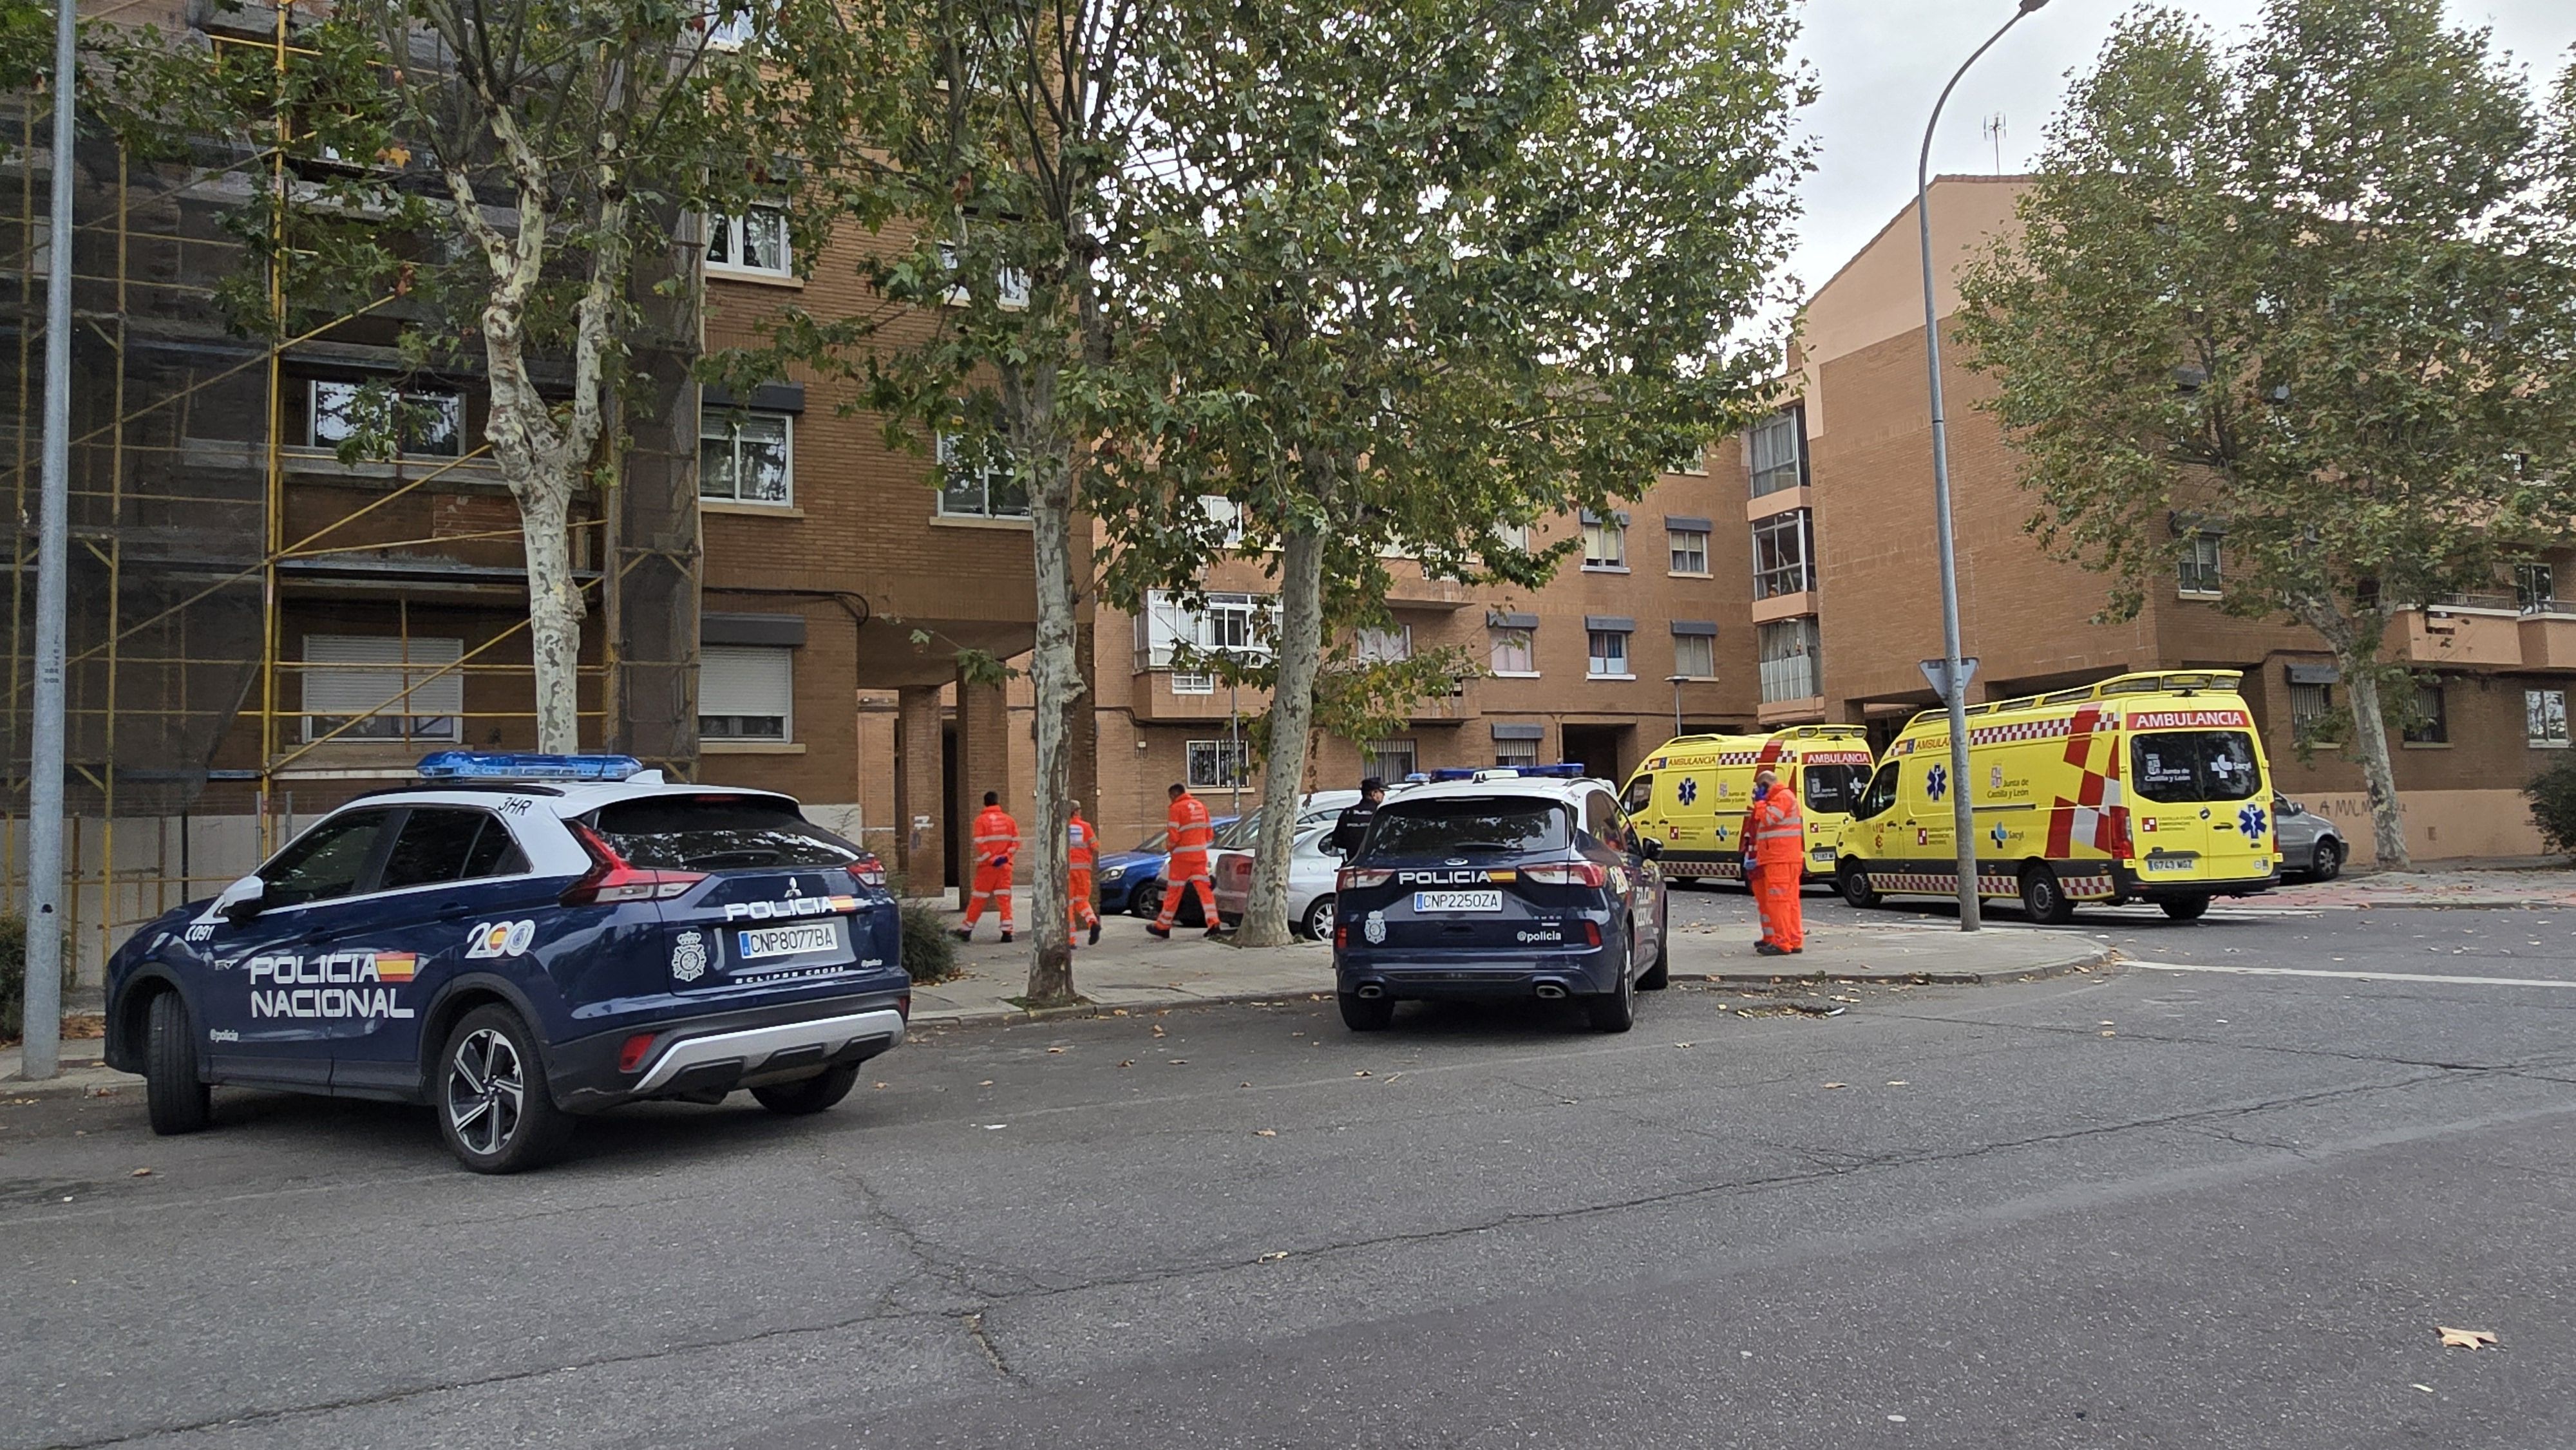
(1383, 755)
(946, 453)
(404, 399)
(728, 32)
(1776, 474)
(1193, 682)
(1213, 754)
(2535, 586)
(1496, 643)
(1677, 552)
(2544, 717)
(725, 425)
(1383, 646)
(732, 233)
(2201, 571)
(779, 657)
(1791, 576)
(1605, 546)
(1516, 753)
(1703, 643)
(373, 669)
(1594, 658)
(1795, 672)
(1011, 285)
(2324, 698)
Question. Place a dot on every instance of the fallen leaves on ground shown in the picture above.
(1831, 1085)
(1274, 1256)
(1363, 1072)
(1131, 1062)
(1265, 1132)
(1896, 1082)
(2463, 1338)
(1052, 1051)
(140, 1173)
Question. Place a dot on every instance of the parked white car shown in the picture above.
(1312, 866)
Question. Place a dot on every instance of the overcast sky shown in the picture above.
(1881, 63)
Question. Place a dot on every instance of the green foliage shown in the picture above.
(929, 952)
(13, 974)
(2553, 805)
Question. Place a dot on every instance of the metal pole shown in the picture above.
(43, 1025)
(1676, 682)
(1963, 814)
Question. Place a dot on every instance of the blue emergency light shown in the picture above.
(1561, 770)
(476, 765)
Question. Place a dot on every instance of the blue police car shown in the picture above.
(518, 939)
(1500, 887)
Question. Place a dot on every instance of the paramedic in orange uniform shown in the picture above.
(1192, 835)
(1776, 848)
(997, 845)
(1082, 852)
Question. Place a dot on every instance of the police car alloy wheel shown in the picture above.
(1616, 1010)
(493, 1106)
(175, 1096)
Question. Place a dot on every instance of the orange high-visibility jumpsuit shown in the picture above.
(1082, 852)
(997, 845)
(1192, 835)
(1777, 838)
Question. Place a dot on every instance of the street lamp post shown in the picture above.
(1963, 814)
(1676, 682)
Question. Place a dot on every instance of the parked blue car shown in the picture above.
(1131, 882)
(517, 940)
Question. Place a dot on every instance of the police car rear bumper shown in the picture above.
(726, 1050)
(1480, 975)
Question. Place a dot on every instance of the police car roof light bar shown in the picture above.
(477, 765)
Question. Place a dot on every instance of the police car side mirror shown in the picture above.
(1650, 848)
(241, 901)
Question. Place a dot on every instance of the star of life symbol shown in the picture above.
(1375, 927)
(689, 956)
(1690, 790)
(2251, 821)
(1936, 782)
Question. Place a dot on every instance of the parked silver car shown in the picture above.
(2310, 844)
(1312, 867)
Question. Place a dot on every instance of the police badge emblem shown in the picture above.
(689, 956)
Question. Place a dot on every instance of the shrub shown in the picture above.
(929, 952)
(13, 975)
(2553, 805)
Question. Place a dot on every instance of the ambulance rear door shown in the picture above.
(2198, 807)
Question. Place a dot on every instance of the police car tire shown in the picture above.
(2185, 908)
(1659, 976)
(1853, 881)
(542, 1128)
(1616, 1009)
(175, 1097)
(1367, 1014)
(2041, 896)
(1318, 923)
(813, 1095)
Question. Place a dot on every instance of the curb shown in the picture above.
(2038, 971)
(85, 1080)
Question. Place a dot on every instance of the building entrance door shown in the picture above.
(1603, 749)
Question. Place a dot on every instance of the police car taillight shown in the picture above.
(1354, 878)
(868, 871)
(610, 879)
(1566, 873)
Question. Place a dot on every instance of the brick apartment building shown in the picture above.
(2503, 662)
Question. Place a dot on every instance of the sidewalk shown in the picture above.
(2541, 887)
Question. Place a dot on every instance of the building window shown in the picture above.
(383, 687)
(1515, 651)
(1392, 760)
(1385, 646)
(729, 28)
(1783, 546)
(1605, 543)
(1779, 452)
(1689, 550)
(1172, 637)
(1610, 655)
(1219, 764)
(2309, 706)
(1516, 753)
(745, 457)
(2199, 569)
(1791, 657)
(2432, 723)
(1512, 536)
(746, 692)
(414, 418)
(2535, 586)
(1695, 655)
(755, 241)
(978, 489)
(1193, 682)
(1694, 463)
(2544, 714)
(1013, 286)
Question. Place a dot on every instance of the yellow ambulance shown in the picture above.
(1693, 792)
(2144, 787)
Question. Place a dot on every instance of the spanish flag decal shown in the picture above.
(396, 966)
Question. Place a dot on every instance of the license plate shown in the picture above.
(2170, 864)
(1457, 901)
(787, 941)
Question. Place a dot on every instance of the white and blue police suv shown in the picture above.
(519, 939)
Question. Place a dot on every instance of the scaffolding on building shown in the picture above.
(205, 527)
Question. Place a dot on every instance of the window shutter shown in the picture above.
(376, 674)
(745, 680)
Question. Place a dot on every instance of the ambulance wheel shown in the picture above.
(1852, 879)
(175, 1097)
(811, 1095)
(2043, 898)
(2185, 908)
(490, 1093)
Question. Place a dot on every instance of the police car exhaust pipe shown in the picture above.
(1550, 992)
(1371, 992)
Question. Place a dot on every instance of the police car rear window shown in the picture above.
(2175, 766)
(1466, 826)
(716, 833)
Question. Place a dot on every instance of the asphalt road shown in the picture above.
(2152, 1207)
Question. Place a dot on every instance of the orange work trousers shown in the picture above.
(1775, 891)
(1186, 872)
(1079, 912)
(992, 884)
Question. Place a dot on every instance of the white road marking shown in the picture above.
(2356, 976)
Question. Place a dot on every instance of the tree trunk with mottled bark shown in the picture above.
(1292, 711)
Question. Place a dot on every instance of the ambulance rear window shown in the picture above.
(1836, 788)
(2179, 766)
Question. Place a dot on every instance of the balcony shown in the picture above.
(2548, 629)
(2464, 631)
(1154, 701)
